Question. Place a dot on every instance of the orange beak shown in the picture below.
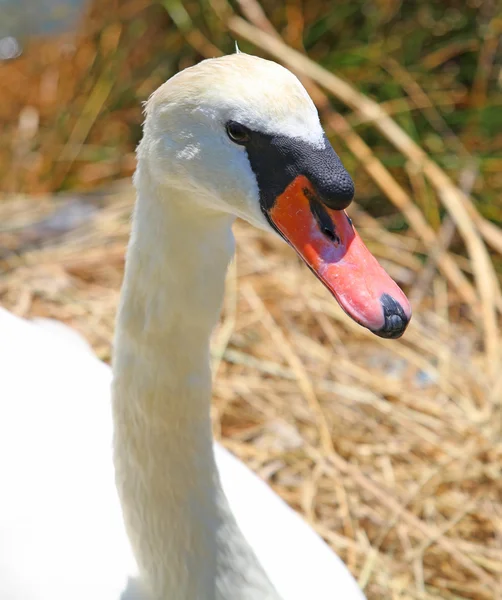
(326, 240)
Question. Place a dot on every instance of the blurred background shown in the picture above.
(391, 450)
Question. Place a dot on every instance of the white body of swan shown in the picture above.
(130, 499)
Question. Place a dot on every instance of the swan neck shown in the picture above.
(165, 469)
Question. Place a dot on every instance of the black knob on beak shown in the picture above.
(277, 161)
(331, 182)
(336, 191)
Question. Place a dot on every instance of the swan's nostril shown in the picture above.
(396, 319)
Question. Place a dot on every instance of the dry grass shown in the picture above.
(391, 449)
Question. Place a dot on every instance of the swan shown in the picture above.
(130, 498)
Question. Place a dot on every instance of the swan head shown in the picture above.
(240, 134)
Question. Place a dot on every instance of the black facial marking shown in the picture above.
(396, 320)
(323, 219)
(277, 160)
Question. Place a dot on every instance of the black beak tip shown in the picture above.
(395, 319)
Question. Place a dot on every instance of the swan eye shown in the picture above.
(237, 132)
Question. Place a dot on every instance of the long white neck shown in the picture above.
(185, 540)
